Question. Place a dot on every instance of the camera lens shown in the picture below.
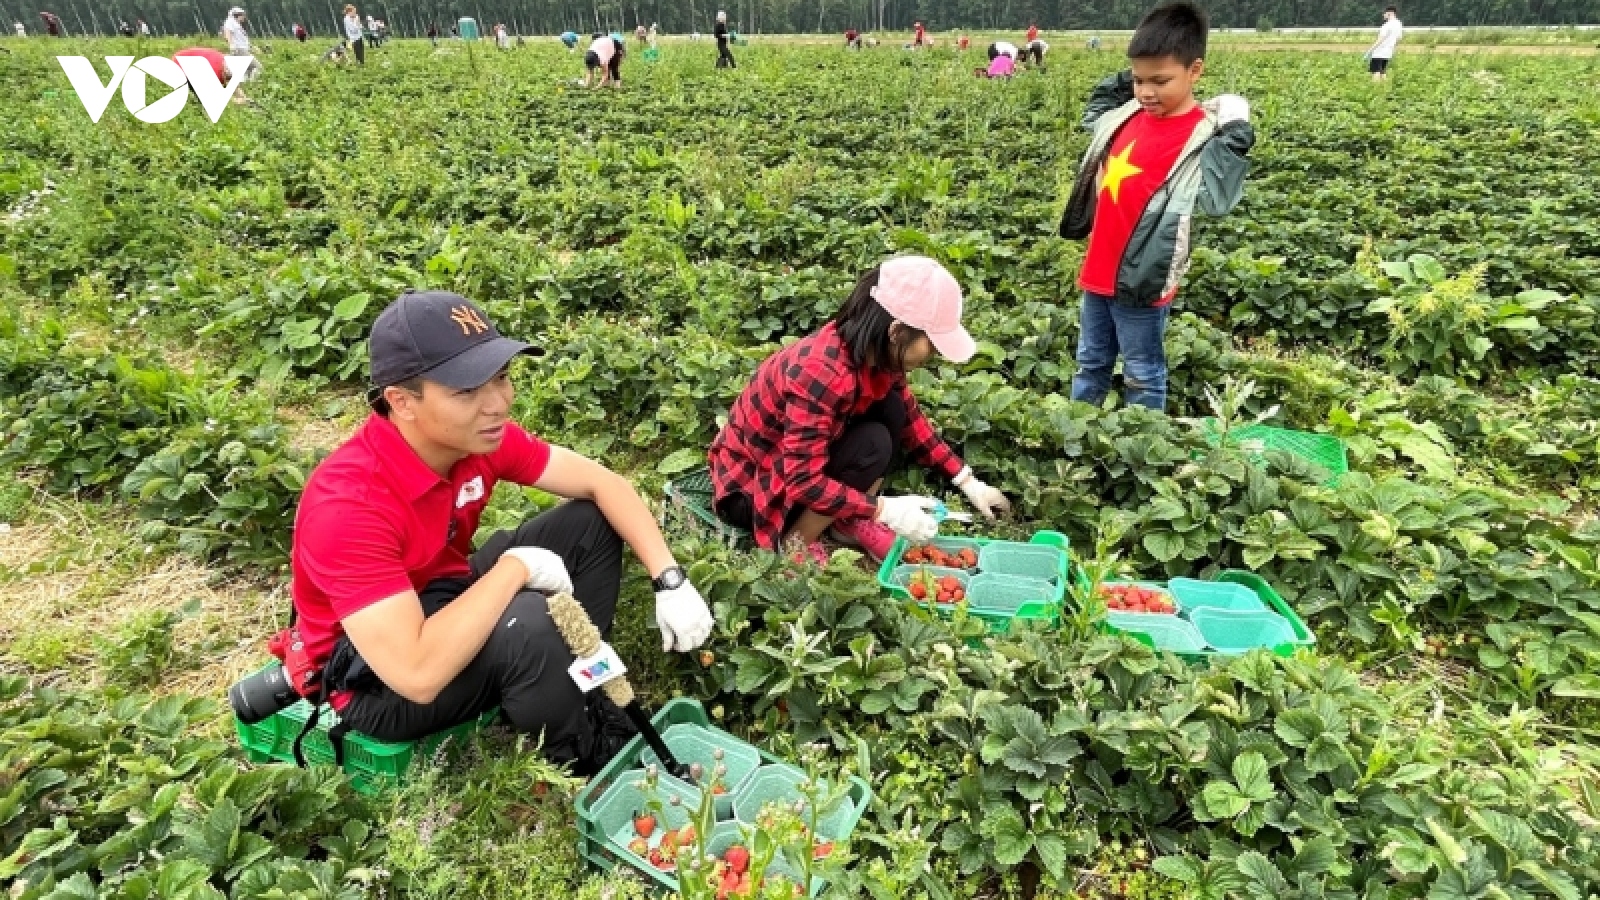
(260, 695)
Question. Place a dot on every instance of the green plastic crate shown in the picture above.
(371, 764)
(599, 848)
(1322, 450)
(997, 622)
(1158, 631)
(1296, 637)
(689, 498)
(613, 814)
(697, 744)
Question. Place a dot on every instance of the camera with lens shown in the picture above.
(258, 696)
(271, 690)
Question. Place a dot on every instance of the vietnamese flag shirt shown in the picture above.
(1141, 156)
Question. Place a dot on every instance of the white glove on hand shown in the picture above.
(684, 618)
(547, 574)
(1232, 108)
(988, 501)
(909, 517)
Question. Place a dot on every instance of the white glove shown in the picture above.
(909, 517)
(1232, 108)
(684, 618)
(547, 574)
(986, 500)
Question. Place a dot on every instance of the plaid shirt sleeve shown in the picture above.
(922, 444)
(815, 398)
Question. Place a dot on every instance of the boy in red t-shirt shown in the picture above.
(1157, 155)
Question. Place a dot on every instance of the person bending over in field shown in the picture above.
(418, 630)
(811, 438)
(1002, 66)
(1155, 155)
(604, 57)
(221, 66)
(1003, 48)
(1034, 53)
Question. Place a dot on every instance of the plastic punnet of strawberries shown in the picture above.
(942, 589)
(929, 555)
(1137, 598)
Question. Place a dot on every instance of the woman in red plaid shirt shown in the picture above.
(812, 436)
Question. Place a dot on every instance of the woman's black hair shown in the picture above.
(864, 325)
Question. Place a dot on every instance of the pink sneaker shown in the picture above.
(874, 538)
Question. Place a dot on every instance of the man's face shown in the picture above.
(1163, 85)
(461, 421)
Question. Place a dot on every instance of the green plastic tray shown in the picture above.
(371, 764)
(599, 848)
(998, 623)
(1192, 593)
(726, 834)
(1157, 630)
(1042, 561)
(1012, 596)
(613, 815)
(697, 744)
(689, 499)
(779, 782)
(1296, 637)
(1231, 632)
(1323, 450)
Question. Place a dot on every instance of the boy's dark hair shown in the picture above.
(1392, 8)
(864, 325)
(380, 404)
(1176, 29)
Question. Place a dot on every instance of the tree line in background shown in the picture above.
(410, 18)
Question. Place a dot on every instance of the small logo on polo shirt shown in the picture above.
(472, 490)
(468, 319)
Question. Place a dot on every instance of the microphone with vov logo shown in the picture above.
(583, 638)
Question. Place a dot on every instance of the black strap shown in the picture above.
(335, 738)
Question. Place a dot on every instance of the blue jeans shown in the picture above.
(1106, 329)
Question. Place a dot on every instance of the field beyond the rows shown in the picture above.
(1415, 270)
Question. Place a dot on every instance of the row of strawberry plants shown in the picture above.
(1028, 753)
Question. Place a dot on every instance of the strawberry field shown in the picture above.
(1415, 270)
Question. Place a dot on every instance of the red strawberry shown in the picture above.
(644, 824)
(919, 590)
(822, 850)
(737, 858)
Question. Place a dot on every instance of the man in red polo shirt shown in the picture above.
(422, 631)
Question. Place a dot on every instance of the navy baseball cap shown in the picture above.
(442, 337)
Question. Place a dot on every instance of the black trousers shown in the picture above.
(522, 668)
(869, 449)
(358, 45)
(725, 57)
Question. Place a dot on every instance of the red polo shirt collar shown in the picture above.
(402, 467)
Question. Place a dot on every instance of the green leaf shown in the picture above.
(1164, 545)
(1010, 835)
(351, 306)
(1259, 869)
(1251, 773)
(681, 460)
(1222, 800)
(1585, 686)
(1554, 880)
(1052, 849)
(1179, 868)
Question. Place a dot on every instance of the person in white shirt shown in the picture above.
(22, 30)
(239, 40)
(1382, 50)
(352, 33)
(604, 56)
(1002, 48)
(233, 32)
(144, 28)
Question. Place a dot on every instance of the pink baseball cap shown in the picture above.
(921, 293)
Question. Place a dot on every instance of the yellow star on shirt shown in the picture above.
(1118, 168)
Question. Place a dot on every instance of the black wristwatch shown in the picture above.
(670, 579)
